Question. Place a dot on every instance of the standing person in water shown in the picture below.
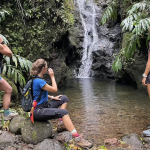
(49, 110)
(4, 86)
(146, 80)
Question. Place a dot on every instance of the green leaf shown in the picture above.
(7, 59)
(117, 65)
(110, 13)
(14, 59)
(9, 72)
(21, 62)
(4, 69)
(15, 77)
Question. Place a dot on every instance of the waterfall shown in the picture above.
(87, 10)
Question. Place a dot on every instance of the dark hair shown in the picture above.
(37, 67)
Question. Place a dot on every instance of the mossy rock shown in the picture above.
(37, 132)
(15, 94)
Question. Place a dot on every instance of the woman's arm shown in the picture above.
(52, 88)
(55, 98)
(49, 88)
(5, 49)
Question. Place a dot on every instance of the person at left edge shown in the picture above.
(4, 86)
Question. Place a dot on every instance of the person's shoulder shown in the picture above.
(39, 80)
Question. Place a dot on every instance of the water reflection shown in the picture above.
(105, 109)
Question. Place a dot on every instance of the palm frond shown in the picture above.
(17, 59)
(142, 26)
(141, 6)
(14, 73)
(132, 46)
(110, 13)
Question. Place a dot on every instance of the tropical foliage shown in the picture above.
(137, 22)
(14, 68)
(11, 65)
(110, 13)
(35, 26)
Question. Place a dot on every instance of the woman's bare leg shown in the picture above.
(4, 86)
(68, 123)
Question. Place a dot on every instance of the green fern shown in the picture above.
(12, 71)
(132, 46)
(117, 65)
(110, 13)
(142, 6)
(137, 21)
(126, 53)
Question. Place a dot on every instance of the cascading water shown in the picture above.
(87, 10)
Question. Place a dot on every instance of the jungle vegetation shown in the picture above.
(137, 23)
(32, 27)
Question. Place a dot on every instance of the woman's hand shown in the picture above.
(56, 97)
(50, 72)
(144, 81)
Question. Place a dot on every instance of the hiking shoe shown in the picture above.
(11, 116)
(80, 141)
(146, 132)
(61, 126)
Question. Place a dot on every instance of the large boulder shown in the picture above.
(16, 124)
(6, 139)
(49, 144)
(37, 132)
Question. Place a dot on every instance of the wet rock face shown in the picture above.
(109, 40)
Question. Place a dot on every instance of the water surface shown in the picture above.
(105, 109)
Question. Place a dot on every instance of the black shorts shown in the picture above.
(148, 78)
(50, 110)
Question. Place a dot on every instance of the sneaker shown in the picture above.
(11, 116)
(80, 141)
(146, 132)
(61, 126)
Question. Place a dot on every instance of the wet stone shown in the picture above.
(146, 139)
(112, 141)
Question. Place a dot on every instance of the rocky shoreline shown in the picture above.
(21, 134)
